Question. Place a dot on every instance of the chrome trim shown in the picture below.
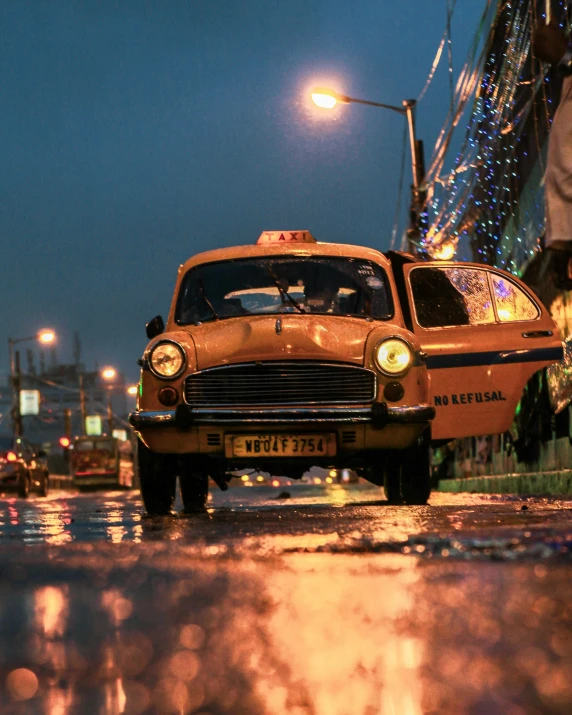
(150, 418)
(307, 363)
(288, 363)
(201, 416)
(406, 414)
(150, 352)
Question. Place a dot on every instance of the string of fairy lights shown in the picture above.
(489, 206)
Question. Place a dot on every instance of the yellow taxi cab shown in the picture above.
(290, 353)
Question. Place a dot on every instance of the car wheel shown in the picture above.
(194, 483)
(392, 480)
(24, 485)
(412, 468)
(157, 480)
(45, 486)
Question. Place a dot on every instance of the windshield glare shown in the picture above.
(258, 286)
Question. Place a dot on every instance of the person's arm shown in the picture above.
(549, 44)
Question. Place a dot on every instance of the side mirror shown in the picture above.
(155, 327)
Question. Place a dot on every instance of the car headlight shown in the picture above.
(167, 359)
(393, 356)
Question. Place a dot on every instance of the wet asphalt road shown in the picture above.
(327, 601)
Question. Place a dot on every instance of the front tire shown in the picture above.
(24, 485)
(157, 480)
(194, 483)
(45, 486)
(392, 482)
(411, 469)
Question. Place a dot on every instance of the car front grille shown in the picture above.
(279, 383)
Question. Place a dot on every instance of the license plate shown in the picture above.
(276, 445)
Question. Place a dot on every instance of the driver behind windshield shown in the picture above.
(321, 298)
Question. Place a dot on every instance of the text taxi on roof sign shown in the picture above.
(290, 353)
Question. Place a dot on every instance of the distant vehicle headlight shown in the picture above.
(393, 356)
(167, 359)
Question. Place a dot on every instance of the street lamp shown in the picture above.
(46, 336)
(327, 99)
(109, 374)
(132, 390)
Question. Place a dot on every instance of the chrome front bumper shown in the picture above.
(378, 415)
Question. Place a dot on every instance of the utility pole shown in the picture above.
(82, 407)
(17, 386)
(67, 423)
(109, 412)
(417, 222)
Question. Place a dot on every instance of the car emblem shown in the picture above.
(278, 326)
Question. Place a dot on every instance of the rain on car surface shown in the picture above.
(290, 353)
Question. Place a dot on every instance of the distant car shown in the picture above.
(22, 468)
(102, 462)
(290, 354)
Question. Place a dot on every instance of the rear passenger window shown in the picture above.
(451, 296)
(512, 303)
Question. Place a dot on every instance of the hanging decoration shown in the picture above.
(486, 203)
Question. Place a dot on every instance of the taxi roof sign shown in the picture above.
(284, 237)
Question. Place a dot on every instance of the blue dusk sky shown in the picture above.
(137, 133)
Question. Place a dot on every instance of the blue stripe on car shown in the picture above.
(495, 357)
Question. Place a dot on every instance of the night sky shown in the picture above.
(134, 134)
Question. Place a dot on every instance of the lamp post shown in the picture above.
(109, 374)
(45, 337)
(327, 99)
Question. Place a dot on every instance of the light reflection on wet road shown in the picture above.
(330, 601)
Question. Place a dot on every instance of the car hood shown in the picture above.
(276, 337)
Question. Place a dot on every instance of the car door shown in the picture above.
(484, 333)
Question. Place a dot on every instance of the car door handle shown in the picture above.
(538, 334)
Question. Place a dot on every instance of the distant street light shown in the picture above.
(133, 389)
(46, 336)
(109, 374)
(327, 99)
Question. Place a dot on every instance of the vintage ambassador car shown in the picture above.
(291, 353)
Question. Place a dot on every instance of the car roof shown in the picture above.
(344, 250)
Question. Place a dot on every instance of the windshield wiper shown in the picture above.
(206, 300)
(283, 293)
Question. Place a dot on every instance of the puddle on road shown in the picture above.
(303, 634)
(250, 522)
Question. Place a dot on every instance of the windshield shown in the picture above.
(300, 284)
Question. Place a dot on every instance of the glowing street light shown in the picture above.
(327, 99)
(46, 336)
(108, 373)
(132, 389)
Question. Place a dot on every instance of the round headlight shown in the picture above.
(393, 356)
(167, 359)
